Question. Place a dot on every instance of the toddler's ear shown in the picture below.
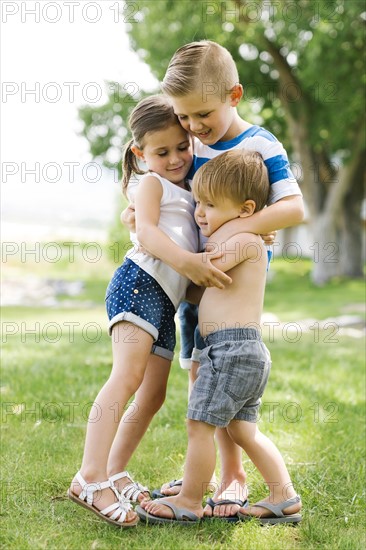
(247, 208)
(236, 94)
(137, 152)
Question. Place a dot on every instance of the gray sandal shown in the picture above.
(181, 516)
(232, 519)
(277, 512)
(158, 494)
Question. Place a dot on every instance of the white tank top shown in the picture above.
(177, 221)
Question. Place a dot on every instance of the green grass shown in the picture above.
(313, 409)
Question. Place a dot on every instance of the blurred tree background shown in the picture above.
(302, 68)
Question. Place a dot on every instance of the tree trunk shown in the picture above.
(326, 249)
(338, 230)
(351, 239)
(333, 196)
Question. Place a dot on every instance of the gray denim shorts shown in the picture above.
(233, 373)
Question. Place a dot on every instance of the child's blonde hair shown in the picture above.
(200, 66)
(238, 175)
(151, 114)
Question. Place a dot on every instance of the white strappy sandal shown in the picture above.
(86, 499)
(131, 491)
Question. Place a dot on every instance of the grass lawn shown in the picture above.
(313, 409)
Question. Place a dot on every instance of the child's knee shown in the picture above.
(195, 428)
(131, 382)
(156, 401)
(242, 432)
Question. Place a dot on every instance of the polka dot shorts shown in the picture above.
(134, 296)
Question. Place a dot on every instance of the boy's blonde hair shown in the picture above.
(238, 175)
(200, 64)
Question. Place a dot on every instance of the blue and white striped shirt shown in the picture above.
(281, 179)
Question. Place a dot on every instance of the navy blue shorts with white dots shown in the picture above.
(134, 296)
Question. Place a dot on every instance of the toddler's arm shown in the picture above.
(196, 267)
(237, 249)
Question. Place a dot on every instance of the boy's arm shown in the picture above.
(283, 213)
(197, 267)
(128, 217)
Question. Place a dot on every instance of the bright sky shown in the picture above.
(49, 69)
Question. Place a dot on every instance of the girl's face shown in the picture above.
(168, 152)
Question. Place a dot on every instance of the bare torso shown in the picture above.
(240, 304)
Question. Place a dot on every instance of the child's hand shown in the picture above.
(269, 238)
(128, 217)
(201, 271)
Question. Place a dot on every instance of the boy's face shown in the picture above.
(208, 117)
(210, 216)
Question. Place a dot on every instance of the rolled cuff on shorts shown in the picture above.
(204, 416)
(134, 320)
(186, 362)
(162, 352)
(201, 416)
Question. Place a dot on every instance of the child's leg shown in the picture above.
(232, 484)
(166, 489)
(129, 364)
(232, 479)
(188, 319)
(192, 375)
(198, 470)
(267, 458)
(148, 399)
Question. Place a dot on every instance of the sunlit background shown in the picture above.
(49, 70)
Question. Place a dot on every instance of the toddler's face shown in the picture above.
(210, 216)
(208, 117)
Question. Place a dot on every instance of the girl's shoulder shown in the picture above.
(153, 175)
(167, 184)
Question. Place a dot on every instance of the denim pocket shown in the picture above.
(117, 279)
(205, 372)
(243, 381)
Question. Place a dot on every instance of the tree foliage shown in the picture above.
(318, 43)
(301, 64)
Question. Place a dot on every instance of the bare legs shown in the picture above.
(268, 459)
(263, 453)
(232, 484)
(199, 467)
(129, 365)
(212, 486)
(148, 400)
(233, 477)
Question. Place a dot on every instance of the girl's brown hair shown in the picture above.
(151, 114)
